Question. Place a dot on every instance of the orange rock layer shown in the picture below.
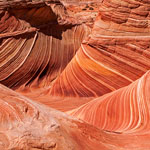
(116, 53)
(43, 56)
(26, 125)
(125, 110)
(97, 70)
(36, 47)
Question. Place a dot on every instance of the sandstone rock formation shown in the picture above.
(90, 59)
(115, 55)
(83, 10)
(36, 43)
(125, 110)
(36, 47)
(26, 125)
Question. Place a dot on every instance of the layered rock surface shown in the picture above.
(116, 53)
(38, 39)
(26, 125)
(125, 110)
(43, 56)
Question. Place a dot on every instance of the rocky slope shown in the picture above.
(125, 110)
(115, 55)
(36, 47)
(88, 58)
(26, 125)
(38, 40)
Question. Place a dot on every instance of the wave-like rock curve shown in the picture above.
(27, 125)
(125, 110)
(36, 42)
(115, 55)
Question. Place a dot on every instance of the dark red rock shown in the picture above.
(38, 39)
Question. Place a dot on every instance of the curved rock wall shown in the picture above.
(36, 44)
(28, 125)
(43, 56)
(115, 55)
(125, 110)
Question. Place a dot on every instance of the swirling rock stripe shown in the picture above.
(97, 70)
(115, 54)
(125, 110)
(35, 49)
(29, 125)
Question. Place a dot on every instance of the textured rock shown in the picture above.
(36, 47)
(115, 55)
(125, 110)
(27, 125)
(40, 58)
(85, 11)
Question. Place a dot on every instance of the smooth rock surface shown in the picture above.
(27, 125)
(36, 43)
(115, 54)
(125, 110)
(90, 59)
